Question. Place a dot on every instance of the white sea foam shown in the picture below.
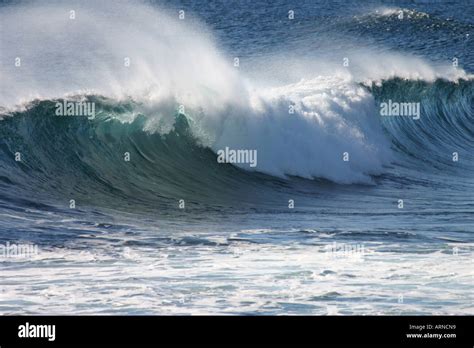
(398, 11)
(238, 278)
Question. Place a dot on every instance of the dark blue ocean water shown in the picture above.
(172, 231)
